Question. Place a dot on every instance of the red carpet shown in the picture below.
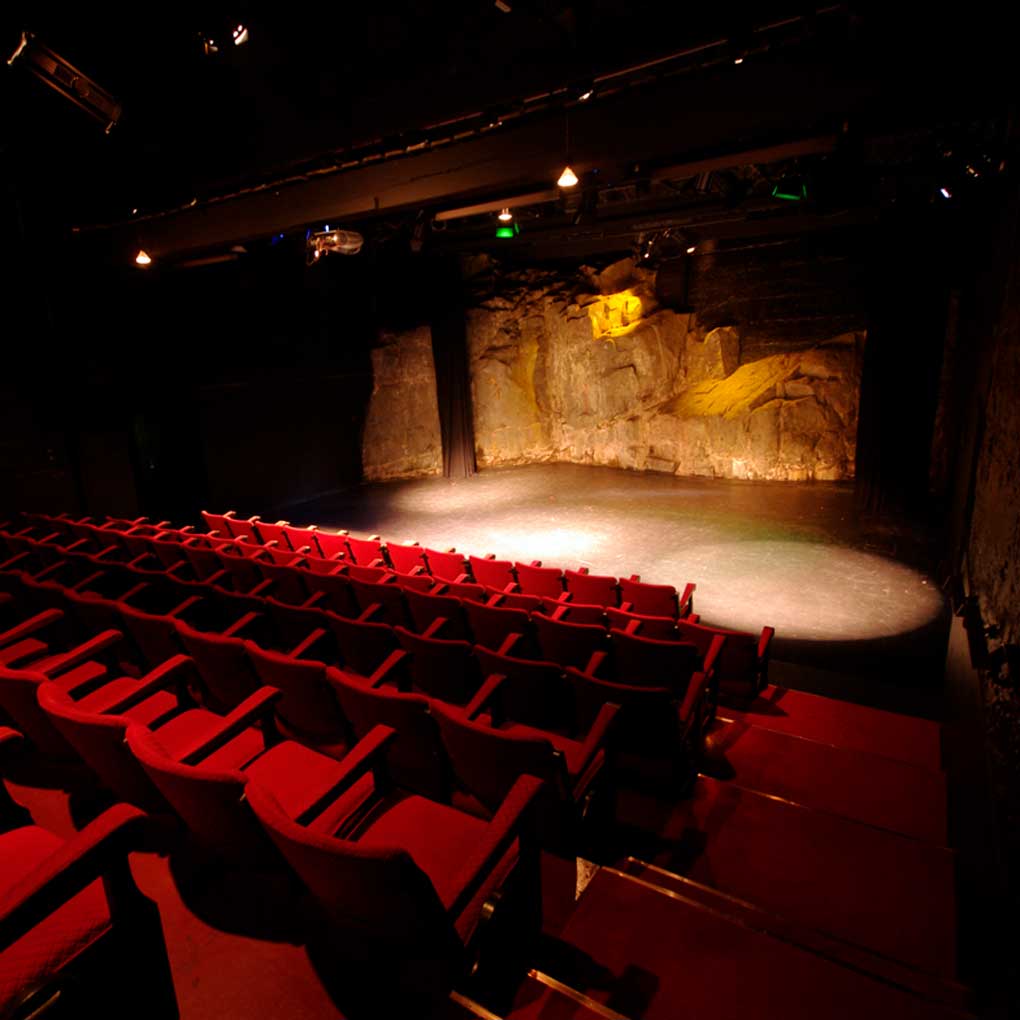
(651, 956)
(883, 891)
(843, 724)
(865, 787)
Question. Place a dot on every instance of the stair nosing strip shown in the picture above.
(856, 968)
(579, 997)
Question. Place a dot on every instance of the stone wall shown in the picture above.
(402, 437)
(587, 367)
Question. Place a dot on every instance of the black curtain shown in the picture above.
(453, 378)
(908, 300)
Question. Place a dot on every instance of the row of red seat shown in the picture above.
(440, 643)
(351, 589)
(421, 872)
(321, 551)
(528, 716)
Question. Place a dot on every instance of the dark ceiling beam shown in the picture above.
(727, 113)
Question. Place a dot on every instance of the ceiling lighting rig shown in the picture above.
(65, 78)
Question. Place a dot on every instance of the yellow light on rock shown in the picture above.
(568, 178)
(143, 258)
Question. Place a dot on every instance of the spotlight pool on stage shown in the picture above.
(791, 555)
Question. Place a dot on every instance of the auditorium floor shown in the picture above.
(852, 617)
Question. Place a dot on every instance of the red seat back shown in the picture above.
(547, 581)
(209, 801)
(592, 589)
(222, 665)
(415, 757)
(662, 628)
(442, 669)
(448, 566)
(569, 644)
(307, 710)
(494, 573)
(99, 741)
(405, 557)
(649, 599)
(648, 662)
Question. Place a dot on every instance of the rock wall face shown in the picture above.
(592, 370)
(402, 437)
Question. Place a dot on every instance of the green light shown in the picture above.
(790, 191)
(510, 230)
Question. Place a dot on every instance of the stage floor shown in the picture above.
(790, 555)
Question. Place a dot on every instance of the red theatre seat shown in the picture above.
(654, 599)
(205, 786)
(592, 589)
(441, 669)
(741, 668)
(67, 906)
(535, 579)
(414, 879)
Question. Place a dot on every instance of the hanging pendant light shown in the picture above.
(567, 179)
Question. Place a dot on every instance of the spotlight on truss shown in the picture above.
(332, 242)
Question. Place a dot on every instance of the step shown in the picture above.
(869, 788)
(844, 724)
(648, 953)
(885, 892)
(844, 953)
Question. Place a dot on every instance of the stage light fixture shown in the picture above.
(65, 78)
(738, 61)
(691, 249)
(567, 179)
(945, 192)
(332, 242)
(505, 215)
(143, 258)
(240, 35)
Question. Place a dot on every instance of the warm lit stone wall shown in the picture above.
(588, 368)
(402, 437)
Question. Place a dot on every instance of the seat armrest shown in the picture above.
(599, 733)
(685, 604)
(486, 693)
(435, 627)
(241, 623)
(366, 755)
(11, 742)
(375, 609)
(173, 671)
(509, 643)
(303, 647)
(513, 820)
(712, 656)
(30, 626)
(390, 665)
(695, 689)
(100, 847)
(82, 653)
(595, 663)
(180, 610)
(261, 587)
(251, 710)
(765, 642)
